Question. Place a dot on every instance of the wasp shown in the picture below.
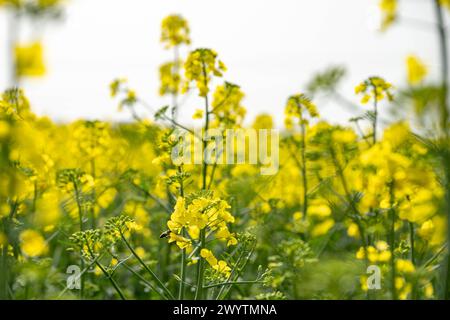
(165, 234)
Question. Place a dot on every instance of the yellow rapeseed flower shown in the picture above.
(416, 70)
(353, 230)
(426, 230)
(374, 88)
(29, 60)
(200, 66)
(5, 129)
(445, 3)
(404, 266)
(169, 78)
(219, 265)
(322, 228)
(174, 31)
(32, 243)
(389, 12)
(263, 121)
(198, 114)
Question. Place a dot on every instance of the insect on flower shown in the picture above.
(165, 234)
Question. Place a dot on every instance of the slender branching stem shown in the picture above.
(200, 264)
(152, 274)
(106, 273)
(236, 272)
(183, 251)
(147, 283)
(176, 71)
(232, 283)
(442, 34)
(351, 202)
(304, 169)
(444, 117)
(412, 243)
(93, 194)
(375, 114)
(200, 269)
(80, 221)
(392, 215)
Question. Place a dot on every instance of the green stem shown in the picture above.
(304, 177)
(182, 272)
(205, 141)
(4, 286)
(107, 275)
(92, 208)
(183, 251)
(5, 270)
(236, 272)
(200, 264)
(392, 241)
(442, 33)
(375, 114)
(441, 29)
(353, 207)
(232, 283)
(81, 273)
(213, 171)
(447, 203)
(411, 240)
(200, 269)
(150, 285)
(413, 258)
(231, 274)
(350, 201)
(113, 282)
(152, 274)
(174, 110)
(80, 221)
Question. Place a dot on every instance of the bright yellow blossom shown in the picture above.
(29, 60)
(198, 114)
(219, 265)
(32, 243)
(374, 88)
(200, 66)
(174, 31)
(404, 266)
(389, 12)
(416, 69)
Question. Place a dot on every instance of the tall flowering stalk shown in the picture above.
(202, 217)
(200, 66)
(444, 117)
(174, 33)
(375, 89)
(297, 109)
(73, 181)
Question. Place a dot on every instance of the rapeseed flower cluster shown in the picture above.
(200, 66)
(375, 89)
(98, 194)
(174, 31)
(201, 213)
(389, 10)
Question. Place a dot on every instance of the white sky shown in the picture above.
(271, 49)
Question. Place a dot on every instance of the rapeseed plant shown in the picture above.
(111, 199)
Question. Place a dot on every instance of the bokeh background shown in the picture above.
(271, 48)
